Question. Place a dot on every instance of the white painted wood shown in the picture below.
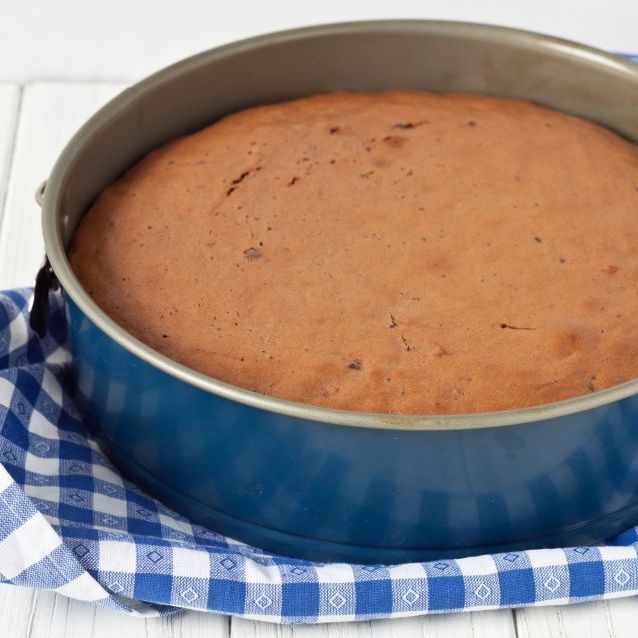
(623, 617)
(16, 610)
(488, 624)
(9, 104)
(39, 614)
(49, 116)
(59, 617)
(586, 620)
(79, 40)
(436, 626)
(539, 621)
(485, 624)
(240, 628)
(191, 625)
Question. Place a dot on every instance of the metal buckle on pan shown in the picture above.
(45, 281)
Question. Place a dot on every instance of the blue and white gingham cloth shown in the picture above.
(69, 522)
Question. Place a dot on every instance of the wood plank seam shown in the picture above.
(4, 186)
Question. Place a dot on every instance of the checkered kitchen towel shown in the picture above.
(69, 522)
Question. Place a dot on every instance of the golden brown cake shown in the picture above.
(399, 252)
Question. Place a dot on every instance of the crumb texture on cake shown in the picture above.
(397, 252)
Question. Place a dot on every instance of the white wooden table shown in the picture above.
(37, 118)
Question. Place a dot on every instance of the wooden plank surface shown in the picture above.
(35, 122)
(36, 614)
(587, 620)
(49, 116)
(488, 624)
(623, 617)
(9, 104)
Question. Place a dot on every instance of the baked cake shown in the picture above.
(396, 252)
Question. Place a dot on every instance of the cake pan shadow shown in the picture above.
(314, 482)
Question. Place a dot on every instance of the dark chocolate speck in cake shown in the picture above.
(241, 178)
(395, 141)
(409, 125)
(510, 327)
(406, 345)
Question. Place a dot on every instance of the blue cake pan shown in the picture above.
(314, 482)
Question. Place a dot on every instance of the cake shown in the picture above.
(398, 252)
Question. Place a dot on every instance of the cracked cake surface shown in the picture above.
(396, 252)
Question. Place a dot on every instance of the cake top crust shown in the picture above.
(396, 252)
